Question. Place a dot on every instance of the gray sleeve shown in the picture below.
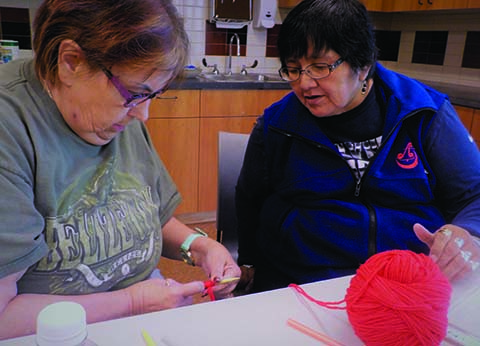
(21, 240)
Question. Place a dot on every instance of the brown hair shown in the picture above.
(132, 33)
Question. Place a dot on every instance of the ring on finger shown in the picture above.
(465, 255)
(446, 232)
(459, 241)
(167, 283)
(474, 265)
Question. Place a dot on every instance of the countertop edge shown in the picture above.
(461, 95)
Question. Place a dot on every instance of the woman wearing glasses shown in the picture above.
(86, 205)
(357, 160)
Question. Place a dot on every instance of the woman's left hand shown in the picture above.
(453, 248)
(218, 264)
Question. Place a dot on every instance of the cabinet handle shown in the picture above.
(430, 2)
(420, 2)
(167, 97)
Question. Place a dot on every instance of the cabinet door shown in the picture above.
(174, 127)
(176, 142)
(475, 131)
(421, 5)
(373, 5)
(288, 3)
(473, 3)
(176, 104)
(208, 177)
(225, 110)
(466, 116)
(221, 103)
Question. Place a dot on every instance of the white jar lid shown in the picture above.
(61, 324)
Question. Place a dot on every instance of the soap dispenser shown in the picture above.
(264, 13)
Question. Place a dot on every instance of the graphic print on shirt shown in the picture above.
(106, 230)
(358, 154)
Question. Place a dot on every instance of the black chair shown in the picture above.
(231, 150)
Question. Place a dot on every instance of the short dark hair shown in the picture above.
(343, 26)
(111, 32)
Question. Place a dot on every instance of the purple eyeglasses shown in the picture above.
(131, 100)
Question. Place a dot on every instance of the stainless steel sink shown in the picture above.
(241, 78)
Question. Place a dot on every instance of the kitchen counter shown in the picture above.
(459, 94)
(200, 83)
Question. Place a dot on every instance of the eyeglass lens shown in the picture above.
(316, 71)
(135, 100)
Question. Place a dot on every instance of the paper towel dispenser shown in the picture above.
(231, 14)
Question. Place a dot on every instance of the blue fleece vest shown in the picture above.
(318, 222)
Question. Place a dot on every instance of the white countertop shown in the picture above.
(261, 319)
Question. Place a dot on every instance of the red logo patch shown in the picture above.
(409, 158)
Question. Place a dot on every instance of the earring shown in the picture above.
(364, 87)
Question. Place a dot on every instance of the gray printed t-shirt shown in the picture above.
(83, 218)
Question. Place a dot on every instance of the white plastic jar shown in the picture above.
(62, 324)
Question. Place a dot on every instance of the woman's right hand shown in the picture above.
(161, 294)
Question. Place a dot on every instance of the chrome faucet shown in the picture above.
(229, 61)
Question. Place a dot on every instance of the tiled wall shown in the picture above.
(196, 12)
(458, 24)
(261, 48)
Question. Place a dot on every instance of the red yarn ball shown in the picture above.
(399, 297)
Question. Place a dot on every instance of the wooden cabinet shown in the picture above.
(466, 116)
(373, 5)
(225, 110)
(473, 3)
(288, 3)
(421, 5)
(475, 130)
(471, 119)
(174, 126)
(404, 5)
(184, 126)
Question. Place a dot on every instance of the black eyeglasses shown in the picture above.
(314, 71)
(131, 100)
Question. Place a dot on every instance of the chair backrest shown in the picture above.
(231, 150)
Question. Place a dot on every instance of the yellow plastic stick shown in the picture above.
(228, 280)
(148, 339)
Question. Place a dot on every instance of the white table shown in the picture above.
(260, 319)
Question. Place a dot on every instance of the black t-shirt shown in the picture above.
(358, 124)
(357, 134)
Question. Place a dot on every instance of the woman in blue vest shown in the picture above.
(355, 161)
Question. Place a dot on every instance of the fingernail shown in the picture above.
(434, 258)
